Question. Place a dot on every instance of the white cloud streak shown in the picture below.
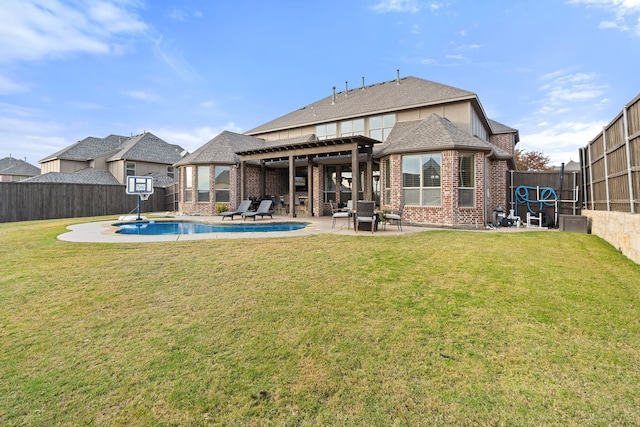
(32, 30)
(621, 9)
(385, 6)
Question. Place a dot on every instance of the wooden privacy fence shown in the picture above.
(570, 199)
(24, 201)
(610, 164)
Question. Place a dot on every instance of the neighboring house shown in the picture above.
(12, 169)
(407, 141)
(118, 156)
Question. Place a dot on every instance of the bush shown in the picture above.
(221, 207)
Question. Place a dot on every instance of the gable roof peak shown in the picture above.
(394, 95)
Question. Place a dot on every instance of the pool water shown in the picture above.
(152, 228)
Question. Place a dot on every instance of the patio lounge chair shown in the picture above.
(339, 213)
(263, 210)
(397, 217)
(365, 212)
(242, 208)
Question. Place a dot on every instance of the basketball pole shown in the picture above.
(139, 199)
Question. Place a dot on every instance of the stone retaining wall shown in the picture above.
(620, 229)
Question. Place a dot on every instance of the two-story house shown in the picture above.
(111, 159)
(406, 141)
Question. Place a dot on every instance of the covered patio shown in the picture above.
(310, 155)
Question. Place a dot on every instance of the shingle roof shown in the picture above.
(13, 166)
(411, 92)
(222, 149)
(147, 147)
(161, 180)
(89, 148)
(432, 133)
(84, 176)
(497, 127)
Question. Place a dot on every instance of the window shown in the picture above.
(170, 171)
(326, 131)
(380, 126)
(352, 127)
(421, 179)
(330, 176)
(222, 183)
(387, 181)
(203, 183)
(130, 168)
(188, 184)
(346, 185)
(466, 181)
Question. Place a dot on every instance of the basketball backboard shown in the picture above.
(140, 185)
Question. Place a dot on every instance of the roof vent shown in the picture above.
(362, 82)
(333, 102)
(398, 78)
(346, 88)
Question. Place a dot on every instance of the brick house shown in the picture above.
(408, 140)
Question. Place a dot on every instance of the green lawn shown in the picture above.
(435, 328)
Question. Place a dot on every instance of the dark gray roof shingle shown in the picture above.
(432, 133)
(147, 147)
(84, 176)
(13, 166)
(222, 149)
(89, 148)
(411, 92)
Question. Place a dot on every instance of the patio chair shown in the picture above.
(339, 213)
(397, 217)
(365, 212)
(243, 207)
(263, 210)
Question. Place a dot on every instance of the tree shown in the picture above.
(531, 160)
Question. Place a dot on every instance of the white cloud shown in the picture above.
(192, 139)
(142, 95)
(562, 87)
(396, 6)
(166, 51)
(178, 15)
(8, 86)
(561, 141)
(621, 9)
(38, 29)
(26, 136)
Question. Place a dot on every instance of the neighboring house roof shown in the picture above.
(161, 180)
(432, 133)
(17, 167)
(84, 176)
(222, 149)
(89, 148)
(395, 95)
(147, 147)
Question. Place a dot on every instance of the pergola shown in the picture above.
(351, 146)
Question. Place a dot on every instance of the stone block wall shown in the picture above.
(620, 229)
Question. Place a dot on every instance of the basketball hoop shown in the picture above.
(144, 196)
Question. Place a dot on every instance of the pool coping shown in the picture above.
(105, 231)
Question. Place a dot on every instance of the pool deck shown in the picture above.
(105, 232)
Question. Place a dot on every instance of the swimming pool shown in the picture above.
(153, 228)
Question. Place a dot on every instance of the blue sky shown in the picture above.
(186, 70)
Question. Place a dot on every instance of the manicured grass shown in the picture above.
(436, 328)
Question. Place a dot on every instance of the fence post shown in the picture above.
(606, 168)
(628, 154)
(593, 203)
